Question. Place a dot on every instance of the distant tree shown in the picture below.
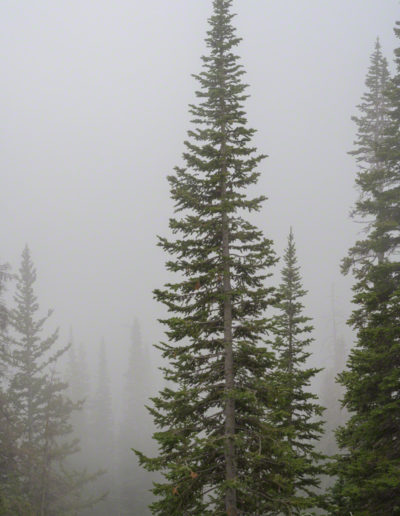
(102, 448)
(133, 483)
(218, 452)
(12, 496)
(4, 277)
(77, 378)
(4, 320)
(298, 413)
(375, 177)
(331, 391)
(369, 464)
(41, 410)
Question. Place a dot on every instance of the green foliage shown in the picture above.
(375, 176)
(35, 395)
(35, 414)
(218, 362)
(12, 498)
(13, 502)
(369, 465)
(297, 413)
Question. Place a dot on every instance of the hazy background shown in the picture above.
(93, 114)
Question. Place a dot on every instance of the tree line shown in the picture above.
(238, 430)
(61, 450)
(237, 423)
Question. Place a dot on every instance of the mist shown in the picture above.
(94, 112)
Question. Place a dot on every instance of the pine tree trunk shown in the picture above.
(230, 458)
(229, 382)
(290, 365)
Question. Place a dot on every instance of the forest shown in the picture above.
(244, 402)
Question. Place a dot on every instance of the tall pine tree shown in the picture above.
(218, 452)
(298, 413)
(369, 464)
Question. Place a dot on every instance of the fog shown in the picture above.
(94, 112)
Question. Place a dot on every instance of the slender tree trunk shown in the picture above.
(229, 380)
(290, 370)
(230, 455)
(291, 342)
(290, 365)
(230, 422)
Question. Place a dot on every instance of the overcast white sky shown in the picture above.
(93, 105)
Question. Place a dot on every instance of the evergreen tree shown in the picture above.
(41, 410)
(91, 494)
(77, 378)
(368, 467)
(373, 178)
(134, 484)
(4, 276)
(102, 448)
(4, 319)
(298, 413)
(331, 391)
(12, 497)
(218, 451)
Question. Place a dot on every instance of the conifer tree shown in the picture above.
(4, 277)
(12, 497)
(298, 413)
(42, 411)
(77, 378)
(331, 391)
(133, 483)
(369, 464)
(4, 424)
(218, 452)
(103, 446)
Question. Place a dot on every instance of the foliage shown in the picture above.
(218, 451)
(368, 467)
(297, 413)
(37, 413)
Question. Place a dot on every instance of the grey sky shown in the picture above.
(93, 104)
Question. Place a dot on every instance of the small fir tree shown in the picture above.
(298, 413)
(37, 398)
(12, 496)
(369, 464)
(218, 451)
